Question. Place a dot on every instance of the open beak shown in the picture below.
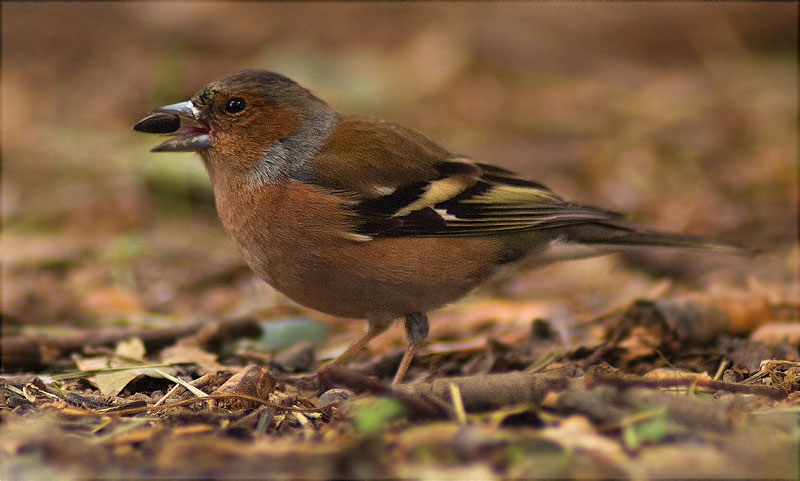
(167, 120)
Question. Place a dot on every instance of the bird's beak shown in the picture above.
(167, 120)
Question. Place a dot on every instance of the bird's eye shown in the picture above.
(235, 105)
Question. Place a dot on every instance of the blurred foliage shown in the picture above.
(681, 115)
(288, 332)
(371, 415)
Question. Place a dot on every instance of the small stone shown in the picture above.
(334, 396)
(297, 358)
(541, 330)
(731, 376)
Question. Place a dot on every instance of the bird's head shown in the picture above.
(235, 122)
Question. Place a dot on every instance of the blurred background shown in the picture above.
(683, 116)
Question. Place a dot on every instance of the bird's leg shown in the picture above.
(417, 332)
(373, 330)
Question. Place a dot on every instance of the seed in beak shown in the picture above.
(159, 123)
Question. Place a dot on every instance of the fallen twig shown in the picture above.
(485, 392)
(216, 397)
(623, 382)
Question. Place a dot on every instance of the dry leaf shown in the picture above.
(111, 300)
(576, 433)
(91, 363)
(131, 349)
(669, 373)
(112, 383)
(778, 333)
(255, 381)
(190, 353)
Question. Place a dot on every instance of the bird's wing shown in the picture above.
(396, 182)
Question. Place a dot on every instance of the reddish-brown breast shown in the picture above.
(295, 236)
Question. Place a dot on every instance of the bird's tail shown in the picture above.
(622, 236)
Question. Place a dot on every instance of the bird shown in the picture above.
(363, 218)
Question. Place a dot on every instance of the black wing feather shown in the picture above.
(492, 201)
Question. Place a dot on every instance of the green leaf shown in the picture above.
(288, 332)
(645, 426)
(629, 437)
(374, 414)
(655, 428)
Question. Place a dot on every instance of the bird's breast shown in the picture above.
(296, 237)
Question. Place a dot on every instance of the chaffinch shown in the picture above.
(362, 218)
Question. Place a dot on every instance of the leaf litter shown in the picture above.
(649, 387)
